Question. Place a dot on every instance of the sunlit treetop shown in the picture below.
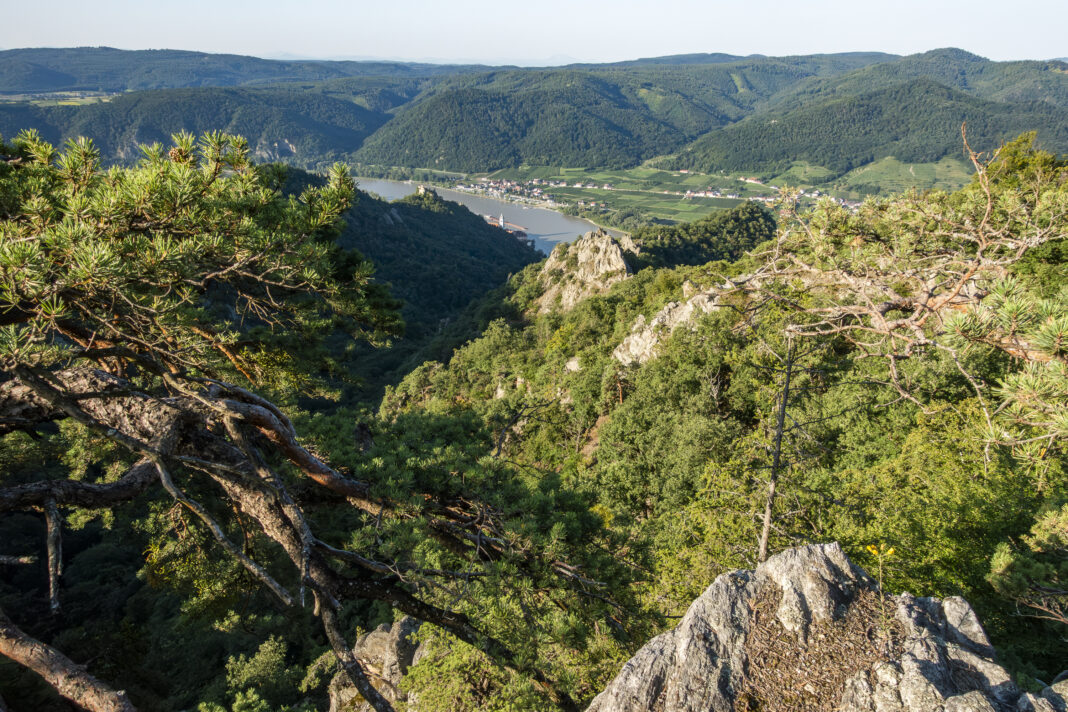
(150, 260)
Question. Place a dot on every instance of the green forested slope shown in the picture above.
(434, 256)
(435, 240)
(855, 59)
(1023, 81)
(304, 128)
(708, 112)
(725, 235)
(114, 70)
(918, 121)
(376, 93)
(607, 116)
(676, 451)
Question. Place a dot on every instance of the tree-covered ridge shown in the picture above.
(726, 235)
(1020, 81)
(652, 109)
(436, 239)
(611, 116)
(281, 124)
(917, 121)
(375, 93)
(113, 70)
(752, 114)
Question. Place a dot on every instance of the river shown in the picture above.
(546, 227)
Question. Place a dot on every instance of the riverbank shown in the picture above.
(546, 226)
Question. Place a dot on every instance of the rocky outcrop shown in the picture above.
(646, 335)
(268, 150)
(386, 653)
(589, 265)
(808, 630)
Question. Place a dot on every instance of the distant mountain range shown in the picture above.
(712, 112)
(107, 69)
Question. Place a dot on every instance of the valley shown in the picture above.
(756, 402)
(848, 125)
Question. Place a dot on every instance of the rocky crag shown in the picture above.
(808, 630)
(643, 341)
(589, 265)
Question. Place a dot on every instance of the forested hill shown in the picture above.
(711, 112)
(418, 245)
(108, 69)
(721, 58)
(280, 124)
(594, 116)
(966, 72)
(916, 122)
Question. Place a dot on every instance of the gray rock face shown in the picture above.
(588, 266)
(1057, 694)
(386, 653)
(809, 630)
(645, 336)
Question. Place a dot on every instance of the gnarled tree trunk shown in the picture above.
(63, 674)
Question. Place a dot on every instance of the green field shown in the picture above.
(892, 176)
(655, 193)
(802, 174)
(637, 179)
(667, 207)
(61, 98)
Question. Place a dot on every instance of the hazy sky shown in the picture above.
(541, 31)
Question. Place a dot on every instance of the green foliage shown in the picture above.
(264, 675)
(724, 235)
(159, 238)
(1034, 571)
(916, 122)
(303, 128)
(1013, 319)
(108, 69)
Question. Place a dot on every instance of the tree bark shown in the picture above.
(183, 427)
(70, 493)
(776, 463)
(55, 553)
(63, 674)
